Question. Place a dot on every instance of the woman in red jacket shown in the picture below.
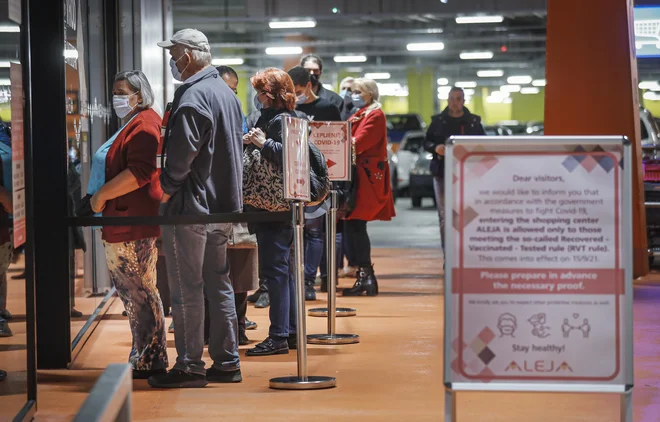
(374, 199)
(124, 183)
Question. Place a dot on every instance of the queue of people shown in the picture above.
(206, 142)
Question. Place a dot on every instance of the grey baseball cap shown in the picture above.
(191, 38)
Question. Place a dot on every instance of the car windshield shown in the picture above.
(403, 122)
(414, 144)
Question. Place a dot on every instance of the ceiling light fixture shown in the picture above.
(10, 28)
(494, 100)
(378, 75)
(307, 23)
(510, 88)
(479, 19)
(443, 81)
(507, 100)
(476, 55)
(538, 82)
(500, 94)
(283, 51)
(652, 85)
(425, 46)
(358, 58)
(466, 84)
(651, 96)
(490, 73)
(469, 92)
(229, 61)
(519, 80)
(530, 90)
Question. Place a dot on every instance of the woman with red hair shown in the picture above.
(277, 97)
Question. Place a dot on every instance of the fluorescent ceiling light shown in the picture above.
(490, 73)
(466, 84)
(307, 23)
(500, 94)
(5, 82)
(425, 46)
(443, 95)
(283, 51)
(530, 90)
(479, 19)
(5, 63)
(229, 61)
(651, 96)
(392, 90)
(538, 82)
(510, 88)
(652, 85)
(519, 80)
(358, 58)
(380, 75)
(494, 100)
(10, 28)
(435, 31)
(507, 100)
(442, 89)
(476, 55)
(443, 81)
(469, 92)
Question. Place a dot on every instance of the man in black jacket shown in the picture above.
(455, 120)
(314, 65)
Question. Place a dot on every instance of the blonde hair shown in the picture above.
(367, 85)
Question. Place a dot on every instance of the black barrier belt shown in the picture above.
(187, 220)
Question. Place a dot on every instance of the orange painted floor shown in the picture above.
(394, 374)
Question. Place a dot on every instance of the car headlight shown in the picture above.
(420, 171)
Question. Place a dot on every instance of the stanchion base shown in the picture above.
(297, 383)
(333, 338)
(340, 312)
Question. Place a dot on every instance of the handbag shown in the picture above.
(263, 182)
(241, 238)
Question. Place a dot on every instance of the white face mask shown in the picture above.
(176, 74)
(122, 105)
(302, 99)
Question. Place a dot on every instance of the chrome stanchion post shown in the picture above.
(331, 247)
(303, 381)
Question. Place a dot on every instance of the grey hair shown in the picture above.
(347, 79)
(367, 85)
(199, 57)
(139, 83)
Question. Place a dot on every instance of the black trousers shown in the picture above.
(358, 241)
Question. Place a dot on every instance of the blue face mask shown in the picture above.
(343, 94)
(257, 104)
(357, 100)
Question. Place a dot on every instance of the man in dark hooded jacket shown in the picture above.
(455, 120)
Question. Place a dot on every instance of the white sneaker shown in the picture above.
(347, 272)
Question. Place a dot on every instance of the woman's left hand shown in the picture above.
(257, 137)
(97, 202)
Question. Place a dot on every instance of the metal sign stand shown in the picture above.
(302, 381)
(331, 245)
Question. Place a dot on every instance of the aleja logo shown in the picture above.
(539, 366)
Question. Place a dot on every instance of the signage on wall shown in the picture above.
(296, 159)
(333, 139)
(18, 155)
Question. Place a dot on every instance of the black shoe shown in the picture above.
(269, 347)
(324, 283)
(263, 302)
(3, 375)
(225, 377)
(250, 325)
(243, 339)
(145, 375)
(310, 293)
(292, 341)
(256, 295)
(5, 314)
(366, 283)
(5, 331)
(178, 379)
(76, 313)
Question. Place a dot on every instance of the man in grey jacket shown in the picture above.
(202, 175)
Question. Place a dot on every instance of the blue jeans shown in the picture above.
(314, 247)
(276, 267)
(196, 258)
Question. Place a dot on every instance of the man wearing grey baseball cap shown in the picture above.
(202, 175)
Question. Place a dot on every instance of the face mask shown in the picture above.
(176, 74)
(302, 99)
(357, 100)
(257, 104)
(121, 104)
(343, 93)
(314, 79)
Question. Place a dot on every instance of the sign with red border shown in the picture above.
(333, 139)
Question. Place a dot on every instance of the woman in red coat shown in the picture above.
(374, 199)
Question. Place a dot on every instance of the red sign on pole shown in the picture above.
(18, 154)
(333, 139)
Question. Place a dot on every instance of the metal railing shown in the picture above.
(110, 399)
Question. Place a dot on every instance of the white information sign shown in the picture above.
(333, 139)
(296, 159)
(538, 282)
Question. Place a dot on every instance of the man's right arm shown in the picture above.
(432, 138)
(189, 132)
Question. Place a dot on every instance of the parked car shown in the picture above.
(421, 180)
(404, 160)
(400, 124)
(497, 131)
